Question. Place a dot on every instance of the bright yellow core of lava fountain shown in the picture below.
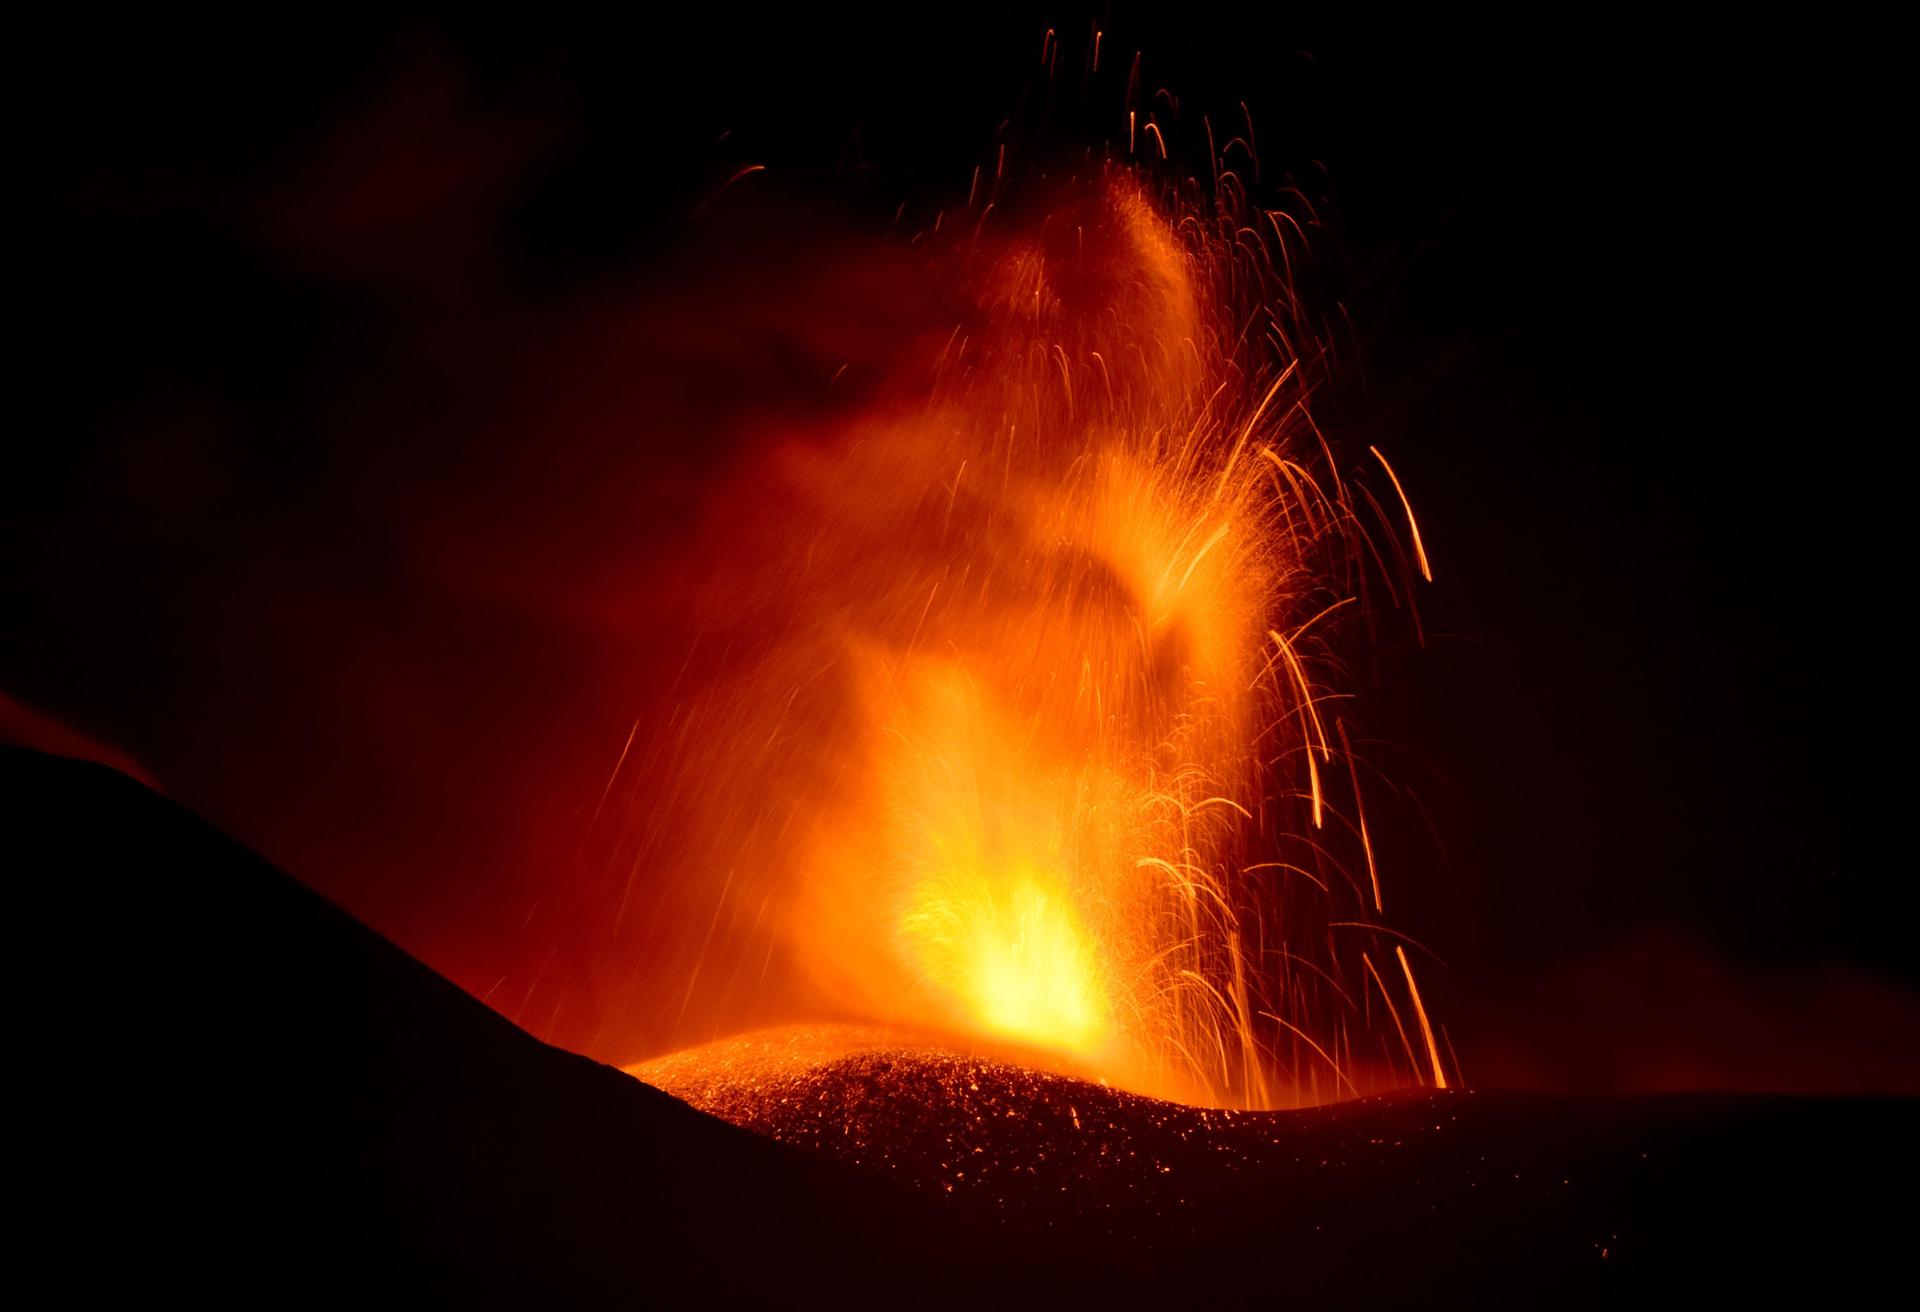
(1016, 957)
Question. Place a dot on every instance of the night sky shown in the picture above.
(373, 371)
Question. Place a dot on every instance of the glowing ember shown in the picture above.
(1022, 729)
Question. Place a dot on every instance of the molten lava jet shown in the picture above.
(1013, 715)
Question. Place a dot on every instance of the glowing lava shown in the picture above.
(1013, 956)
(1032, 741)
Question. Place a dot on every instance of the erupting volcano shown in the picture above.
(1015, 713)
(841, 703)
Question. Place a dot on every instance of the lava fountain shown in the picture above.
(1014, 718)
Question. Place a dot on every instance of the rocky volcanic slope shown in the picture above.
(229, 1090)
(1451, 1193)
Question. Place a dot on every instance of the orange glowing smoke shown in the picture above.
(1020, 728)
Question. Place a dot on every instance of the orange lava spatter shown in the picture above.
(1034, 739)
